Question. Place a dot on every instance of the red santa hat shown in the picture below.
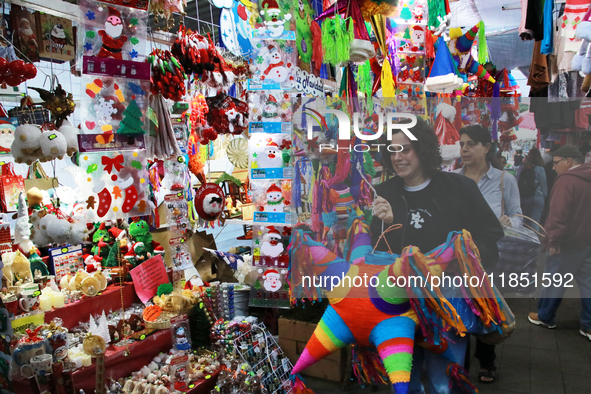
(272, 99)
(102, 226)
(88, 259)
(268, 5)
(114, 12)
(418, 28)
(271, 143)
(272, 48)
(273, 230)
(274, 188)
(272, 272)
(116, 233)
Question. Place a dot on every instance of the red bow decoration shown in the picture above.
(285, 144)
(287, 231)
(411, 59)
(32, 335)
(116, 161)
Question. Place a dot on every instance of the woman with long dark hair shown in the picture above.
(533, 189)
(500, 190)
(430, 203)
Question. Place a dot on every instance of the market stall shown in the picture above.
(172, 170)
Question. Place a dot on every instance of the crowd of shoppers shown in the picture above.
(483, 199)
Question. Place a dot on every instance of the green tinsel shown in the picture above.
(482, 47)
(200, 327)
(165, 288)
(368, 167)
(337, 35)
(436, 9)
(364, 82)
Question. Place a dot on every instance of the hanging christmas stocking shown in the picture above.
(104, 199)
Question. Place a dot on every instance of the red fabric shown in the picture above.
(445, 131)
(109, 300)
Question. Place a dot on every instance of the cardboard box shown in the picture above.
(329, 368)
(293, 337)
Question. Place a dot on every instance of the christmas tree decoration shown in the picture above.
(132, 120)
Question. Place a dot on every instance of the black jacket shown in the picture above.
(460, 202)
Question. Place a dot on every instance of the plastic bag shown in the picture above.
(518, 254)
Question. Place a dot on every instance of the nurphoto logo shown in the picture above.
(344, 127)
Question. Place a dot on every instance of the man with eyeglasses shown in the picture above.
(569, 239)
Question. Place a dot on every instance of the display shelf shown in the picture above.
(79, 311)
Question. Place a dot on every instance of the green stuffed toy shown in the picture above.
(140, 232)
(303, 18)
(101, 235)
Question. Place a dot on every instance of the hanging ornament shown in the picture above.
(460, 46)
(209, 201)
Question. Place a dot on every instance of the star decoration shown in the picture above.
(382, 316)
(88, 46)
(133, 54)
(313, 143)
(133, 21)
(255, 155)
(90, 15)
(256, 242)
(255, 165)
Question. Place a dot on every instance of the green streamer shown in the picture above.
(482, 47)
(363, 78)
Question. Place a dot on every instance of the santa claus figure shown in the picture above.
(27, 37)
(275, 200)
(272, 246)
(277, 70)
(418, 12)
(272, 280)
(418, 39)
(272, 156)
(6, 136)
(273, 18)
(112, 38)
(270, 110)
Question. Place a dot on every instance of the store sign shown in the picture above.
(308, 83)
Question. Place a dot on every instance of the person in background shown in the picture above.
(533, 188)
(500, 191)
(518, 158)
(550, 176)
(502, 161)
(569, 238)
(430, 203)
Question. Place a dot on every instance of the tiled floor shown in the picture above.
(534, 360)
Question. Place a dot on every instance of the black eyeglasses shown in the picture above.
(555, 163)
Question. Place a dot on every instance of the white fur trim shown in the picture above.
(361, 50)
(443, 83)
(450, 152)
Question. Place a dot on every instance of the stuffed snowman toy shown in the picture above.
(275, 200)
(272, 156)
(277, 71)
(213, 204)
(272, 245)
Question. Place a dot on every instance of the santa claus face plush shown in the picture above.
(209, 201)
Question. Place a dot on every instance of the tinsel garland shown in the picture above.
(363, 78)
(388, 90)
(482, 47)
(337, 35)
(436, 12)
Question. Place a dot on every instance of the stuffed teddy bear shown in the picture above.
(34, 199)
